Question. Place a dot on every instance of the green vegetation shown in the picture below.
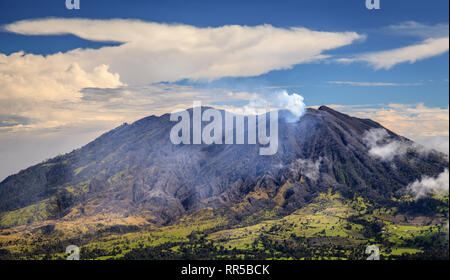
(331, 227)
(35, 212)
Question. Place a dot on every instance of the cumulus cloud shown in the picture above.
(153, 52)
(381, 146)
(428, 185)
(387, 59)
(36, 90)
(37, 77)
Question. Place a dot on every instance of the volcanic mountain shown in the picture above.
(135, 170)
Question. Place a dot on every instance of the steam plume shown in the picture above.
(281, 100)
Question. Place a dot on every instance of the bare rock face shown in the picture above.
(135, 169)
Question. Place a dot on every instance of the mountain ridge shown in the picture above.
(135, 169)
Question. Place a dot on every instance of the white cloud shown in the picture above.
(373, 84)
(387, 59)
(438, 143)
(427, 126)
(435, 42)
(417, 29)
(45, 92)
(427, 185)
(154, 52)
(410, 120)
(380, 146)
(57, 90)
(38, 77)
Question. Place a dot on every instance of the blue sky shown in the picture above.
(349, 15)
(64, 82)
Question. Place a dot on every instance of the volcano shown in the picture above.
(135, 171)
